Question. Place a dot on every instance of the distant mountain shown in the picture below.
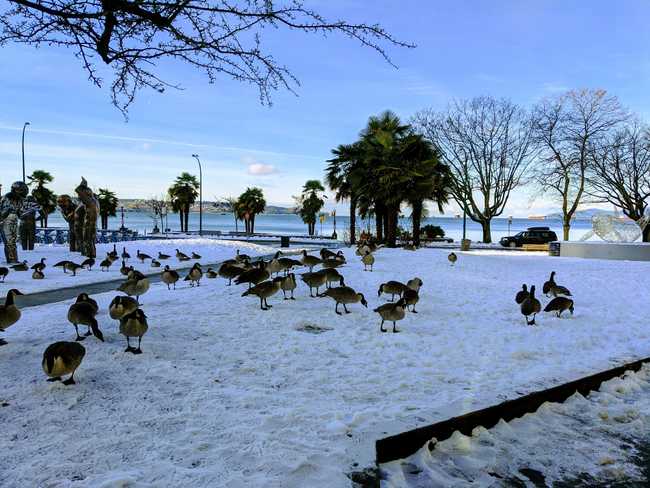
(586, 214)
(135, 204)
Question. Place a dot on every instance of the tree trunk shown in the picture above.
(391, 227)
(646, 234)
(379, 224)
(180, 214)
(566, 227)
(353, 220)
(487, 233)
(416, 217)
(386, 225)
(253, 224)
(187, 218)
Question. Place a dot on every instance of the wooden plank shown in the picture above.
(403, 445)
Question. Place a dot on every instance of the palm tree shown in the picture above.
(108, 203)
(310, 203)
(343, 174)
(45, 197)
(251, 203)
(429, 179)
(183, 194)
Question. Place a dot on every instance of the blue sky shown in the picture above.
(517, 49)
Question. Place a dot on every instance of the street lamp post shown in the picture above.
(24, 127)
(196, 156)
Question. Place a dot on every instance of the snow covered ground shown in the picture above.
(228, 395)
(593, 439)
(210, 250)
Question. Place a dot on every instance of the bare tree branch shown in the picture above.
(214, 36)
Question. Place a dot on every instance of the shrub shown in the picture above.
(432, 231)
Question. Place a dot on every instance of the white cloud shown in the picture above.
(261, 169)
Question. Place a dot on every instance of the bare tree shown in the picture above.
(487, 144)
(214, 36)
(231, 204)
(619, 172)
(158, 208)
(567, 127)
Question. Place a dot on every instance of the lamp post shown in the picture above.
(196, 156)
(509, 223)
(24, 127)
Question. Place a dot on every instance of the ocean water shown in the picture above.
(292, 225)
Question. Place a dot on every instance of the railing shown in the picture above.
(54, 235)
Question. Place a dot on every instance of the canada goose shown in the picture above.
(38, 275)
(113, 254)
(274, 266)
(40, 266)
(20, 266)
(314, 280)
(264, 290)
(121, 306)
(530, 306)
(344, 295)
(557, 290)
(522, 294)
(195, 275)
(411, 293)
(182, 256)
(559, 305)
(84, 297)
(124, 269)
(332, 276)
(134, 325)
(309, 261)
(391, 288)
(211, 274)
(70, 266)
(134, 274)
(162, 256)
(230, 271)
(332, 263)
(84, 313)
(242, 257)
(391, 312)
(253, 276)
(134, 287)
(142, 256)
(62, 358)
(62, 264)
(327, 254)
(88, 263)
(9, 312)
(288, 264)
(288, 283)
(125, 255)
(414, 284)
(155, 263)
(195, 255)
(105, 264)
(368, 260)
(452, 258)
(546, 287)
(411, 297)
(3, 273)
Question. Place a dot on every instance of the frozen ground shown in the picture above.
(582, 442)
(228, 395)
(210, 250)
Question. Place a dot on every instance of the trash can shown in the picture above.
(284, 241)
(464, 244)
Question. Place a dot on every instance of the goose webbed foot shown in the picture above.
(3, 342)
(69, 381)
(80, 338)
(58, 378)
(395, 331)
(136, 351)
(129, 349)
(292, 298)
(88, 333)
(381, 327)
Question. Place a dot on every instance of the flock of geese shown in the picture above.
(531, 306)
(263, 280)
